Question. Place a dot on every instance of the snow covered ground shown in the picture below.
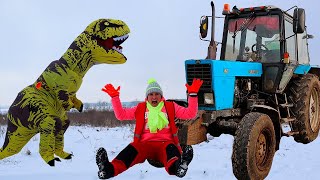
(211, 159)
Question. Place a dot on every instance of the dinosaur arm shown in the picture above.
(77, 103)
(63, 82)
(72, 101)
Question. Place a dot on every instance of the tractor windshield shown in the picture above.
(253, 38)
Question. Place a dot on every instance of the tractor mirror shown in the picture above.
(204, 26)
(298, 21)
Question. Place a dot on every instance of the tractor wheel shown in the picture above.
(304, 93)
(254, 147)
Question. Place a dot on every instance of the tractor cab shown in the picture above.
(267, 35)
(252, 38)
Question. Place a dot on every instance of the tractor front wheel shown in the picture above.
(253, 147)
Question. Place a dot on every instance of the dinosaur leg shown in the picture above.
(16, 138)
(60, 141)
(48, 128)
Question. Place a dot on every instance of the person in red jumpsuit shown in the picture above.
(155, 134)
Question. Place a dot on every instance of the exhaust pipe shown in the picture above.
(212, 49)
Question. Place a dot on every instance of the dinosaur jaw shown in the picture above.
(113, 43)
(113, 50)
(117, 41)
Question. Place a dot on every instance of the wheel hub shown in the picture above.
(261, 149)
(314, 110)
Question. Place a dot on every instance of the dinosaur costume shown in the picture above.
(42, 106)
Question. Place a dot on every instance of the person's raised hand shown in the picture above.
(108, 88)
(193, 89)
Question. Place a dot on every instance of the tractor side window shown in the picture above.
(303, 55)
(233, 41)
(290, 40)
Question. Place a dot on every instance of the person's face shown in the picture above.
(154, 98)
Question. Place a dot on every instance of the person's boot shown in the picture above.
(105, 167)
(186, 158)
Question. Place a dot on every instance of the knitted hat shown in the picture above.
(153, 86)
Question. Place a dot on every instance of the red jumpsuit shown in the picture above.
(162, 146)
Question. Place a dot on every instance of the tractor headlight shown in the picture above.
(208, 98)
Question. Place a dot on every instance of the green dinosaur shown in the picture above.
(42, 107)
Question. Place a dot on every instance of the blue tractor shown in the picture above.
(262, 88)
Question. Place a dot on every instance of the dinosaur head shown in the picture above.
(106, 36)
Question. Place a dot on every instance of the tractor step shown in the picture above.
(286, 105)
(291, 133)
(285, 127)
(286, 120)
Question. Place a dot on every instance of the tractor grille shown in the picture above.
(201, 71)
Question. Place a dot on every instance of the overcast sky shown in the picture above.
(163, 35)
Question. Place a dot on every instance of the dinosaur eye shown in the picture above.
(107, 24)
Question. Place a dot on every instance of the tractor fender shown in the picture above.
(274, 115)
(315, 70)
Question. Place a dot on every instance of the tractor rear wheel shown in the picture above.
(304, 93)
(253, 147)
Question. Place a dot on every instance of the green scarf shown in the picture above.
(156, 118)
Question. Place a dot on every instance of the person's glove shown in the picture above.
(195, 86)
(108, 88)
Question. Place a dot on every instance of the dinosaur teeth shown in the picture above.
(121, 38)
(119, 49)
